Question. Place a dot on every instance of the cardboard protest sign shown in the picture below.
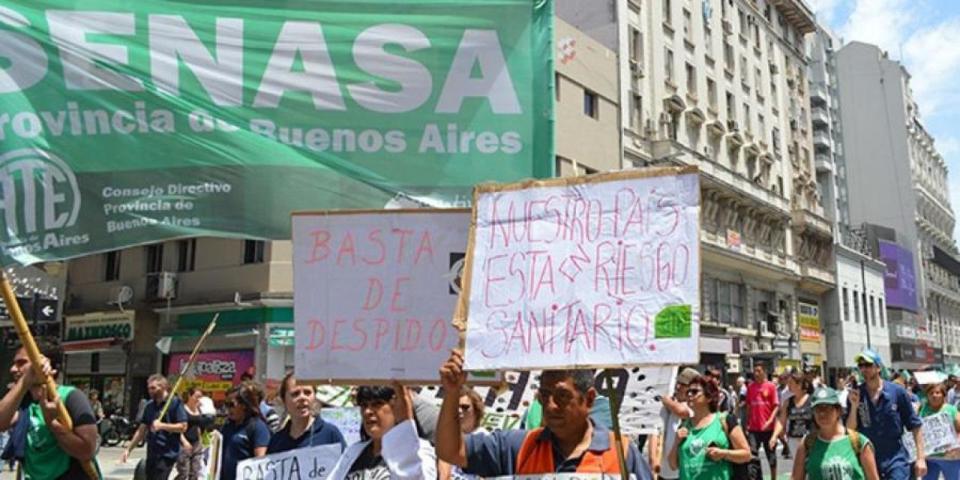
(939, 436)
(374, 292)
(212, 457)
(346, 419)
(602, 270)
(311, 463)
(637, 388)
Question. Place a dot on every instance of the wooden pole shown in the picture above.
(186, 368)
(30, 345)
(615, 403)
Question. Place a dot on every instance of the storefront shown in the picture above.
(95, 350)
(213, 372)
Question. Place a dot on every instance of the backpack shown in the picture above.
(751, 470)
(853, 435)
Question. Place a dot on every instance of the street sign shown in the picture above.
(45, 310)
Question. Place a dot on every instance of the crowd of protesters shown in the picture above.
(708, 431)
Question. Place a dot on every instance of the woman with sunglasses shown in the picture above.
(708, 443)
(305, 428)
(470, 416)
(935, 404)
(390, 446)
(245, 435)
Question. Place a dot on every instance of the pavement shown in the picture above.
(109, 458)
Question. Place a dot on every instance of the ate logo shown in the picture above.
(455, 275)
(38, 193)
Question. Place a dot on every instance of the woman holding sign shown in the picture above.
(708, 443)
(245, 435)
(935, 404)
(305, 427)
(391, 447)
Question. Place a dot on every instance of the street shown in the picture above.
(109, 458)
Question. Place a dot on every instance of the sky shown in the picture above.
(925, 36)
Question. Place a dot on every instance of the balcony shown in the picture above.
(805, 220)
(798, 14)
(822, 140)
(820, 117)
(818, 93)
(816, 272)
(824, 163)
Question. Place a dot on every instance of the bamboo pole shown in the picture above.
(30, 345)
(186, 368)
(615, 402)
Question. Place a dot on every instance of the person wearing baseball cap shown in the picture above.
(882, 411)
(833, 451)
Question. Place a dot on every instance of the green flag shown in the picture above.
(130, 122)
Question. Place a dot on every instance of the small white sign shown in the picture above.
(312, 463)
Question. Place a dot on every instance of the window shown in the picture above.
(773, 93)
(667, 11)
(744, 72)
(762, 125)
(687, 25)
(758, 81)
(863, 302)
(746, 118)
(154, 258)
(883, 313)
(729, 304)
(636, 111)
(775, 139)
(186, 255)
(743, 23)
(253, 251)
(111, 266)
(691, 80)
(731, 109)
(712, 93)
(636, 45)
(873, 312)
(856, 307)
(846, 304)
(668, 64)
(590, 106)
(730, 62)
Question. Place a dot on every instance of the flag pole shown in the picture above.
(33, 353)
(615, 404)
(187, 366)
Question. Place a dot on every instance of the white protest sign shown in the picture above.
(346, 419)
(637, 387)
(601, 270)
(927, 378)
(939, 436)
(311, 463)
(374, 293)
(212, 457)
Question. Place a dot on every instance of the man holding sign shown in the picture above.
(569, 443)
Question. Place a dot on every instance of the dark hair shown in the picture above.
(249, 394)
(188, 392)
(711, 390)
(284, 387)
(804, 381)
(715, 372)
(49, 349)
(475, 401)
(583, 380)
(369, 393)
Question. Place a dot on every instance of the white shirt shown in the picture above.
(670, 423)
(406, 455)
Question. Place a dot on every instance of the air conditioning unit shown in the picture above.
(774, 69)
(732, 126)
(636, 69)
(162, 286)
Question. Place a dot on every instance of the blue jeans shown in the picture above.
(949, 468)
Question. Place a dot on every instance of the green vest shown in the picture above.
(835, 460)
(43, 457)
(694, 463)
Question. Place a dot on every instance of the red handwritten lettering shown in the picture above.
(316, 334)
(320, 249)
(374, 238)
(394, 307)
(347, 247)
(413, 339)
(403, 241)
(489, 280)
(496, 321)
(373, 285)
(383, 328)
(438, 335)
(361, 333)
(426, 245)
(334, 345)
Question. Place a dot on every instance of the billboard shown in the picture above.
(125, 123)
(900, 278)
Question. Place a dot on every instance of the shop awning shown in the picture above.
(94, 345)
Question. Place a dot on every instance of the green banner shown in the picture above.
(127, 122)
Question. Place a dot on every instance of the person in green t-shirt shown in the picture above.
(50, 450)
(935, 404)
(708, 441)
(833, 453)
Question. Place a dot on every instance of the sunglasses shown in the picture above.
(864, 365)
(693, 392)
